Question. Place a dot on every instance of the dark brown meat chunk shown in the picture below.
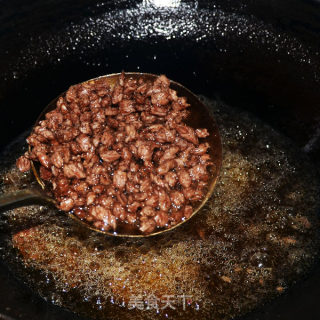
(119, 179)
(108, 155)
(74, 170)
(147, 225)
(184, 178)
(202, 133)
(23, 164)
(187, 133)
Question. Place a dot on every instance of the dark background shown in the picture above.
(261, 55)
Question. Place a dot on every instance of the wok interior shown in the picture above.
(249, 67)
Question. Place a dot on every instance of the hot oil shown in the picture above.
(256, 236)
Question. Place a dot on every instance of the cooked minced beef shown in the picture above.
(122, 154)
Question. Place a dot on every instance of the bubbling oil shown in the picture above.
(256, 236)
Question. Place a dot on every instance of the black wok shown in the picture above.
(259, 55)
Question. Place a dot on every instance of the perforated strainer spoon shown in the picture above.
(200, 117)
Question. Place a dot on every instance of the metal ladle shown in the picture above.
(200, 117)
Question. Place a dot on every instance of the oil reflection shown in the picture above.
(163, 3)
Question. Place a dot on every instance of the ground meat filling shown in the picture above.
(122, 154)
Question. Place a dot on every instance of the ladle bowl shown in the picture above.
(199, 117)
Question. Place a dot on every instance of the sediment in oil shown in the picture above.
(256, 236)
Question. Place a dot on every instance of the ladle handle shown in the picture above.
(7, 199)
